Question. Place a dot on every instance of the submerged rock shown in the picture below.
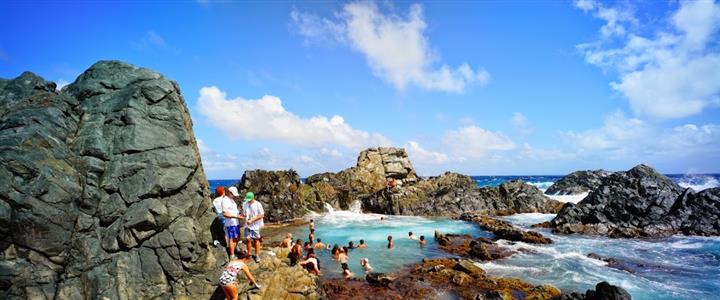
(102, 191)
(642, 203)
(578, 182)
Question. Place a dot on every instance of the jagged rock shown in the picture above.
(578, 182)
(102, 192)
(505, 230)
(642, 203)
(279, 280)
(466, 246)
(379, 278)
(603, 291)
(452, 194)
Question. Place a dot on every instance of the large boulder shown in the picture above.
(578, 182)
(277, 191)
(641, 203)
(102, 192)
(602, 291)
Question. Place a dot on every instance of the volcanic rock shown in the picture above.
(578, 182)
(602, 291)
(102, 191)
(505, 230)
(642, 203)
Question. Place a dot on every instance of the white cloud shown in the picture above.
(474, 142)
(521, 124)
(632, 138)
(267, 119)
(674, 74)
(395, 46)
(214, 161)
(422, 156)
(330, 152)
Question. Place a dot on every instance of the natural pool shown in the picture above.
(673, 268)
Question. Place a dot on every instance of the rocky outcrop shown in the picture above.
(602, 291)
(578, 182)
(466, 246)
(440, 278)
(102, 192)
(452, 194)
(505, 230)
(280, 192)
(642, 203)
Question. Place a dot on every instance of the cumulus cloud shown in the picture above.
(267, 119)
(214, 161)
(673, 74)
(395, 46)
(474, 142)
(627, 138)
(423, 156)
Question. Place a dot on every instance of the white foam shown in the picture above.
(494, 266)
(568, 198)
(699, 182)
(542, 185)
(686, 245)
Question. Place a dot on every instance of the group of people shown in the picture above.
(251, 218)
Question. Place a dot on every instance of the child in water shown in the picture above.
(390, 242)
(362, 244)
(365, 263)
(422, 240)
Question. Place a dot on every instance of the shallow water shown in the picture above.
(343, 226)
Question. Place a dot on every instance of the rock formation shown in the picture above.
(505, 230)
(602, 291)
(102, 192)
(642, 203)
(385, 181)
(578, 182)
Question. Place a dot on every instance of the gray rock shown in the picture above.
(89, 176)
(642, 203)
(578, 182)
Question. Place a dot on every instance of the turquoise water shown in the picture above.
(343, 226)
(674, 268)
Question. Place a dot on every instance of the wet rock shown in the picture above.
(279, 280)
(90, 178)
(379, 278)
(612, 262)
(642, 203)
(602, 291)
(505, 230)
(578, 182)
(467, 246)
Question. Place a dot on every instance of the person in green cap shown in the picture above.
(254, 215)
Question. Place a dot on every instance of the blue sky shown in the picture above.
(482, 88)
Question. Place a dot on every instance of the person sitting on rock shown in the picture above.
(362, 244)
(295, 252)
(319, 244)
(422, 242)
(254, 214)
(346, 272)
(365, 263)
(390, 242)
(287, 242)
(411, 236)
(311, 263)
(228, 278)
(232, 221)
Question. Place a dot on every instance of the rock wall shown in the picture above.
(642, 203)
(102, 191)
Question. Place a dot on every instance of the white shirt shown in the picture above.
(253, 209)
(229, 206)
(217, 205)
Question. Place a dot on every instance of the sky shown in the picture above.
(476, 87)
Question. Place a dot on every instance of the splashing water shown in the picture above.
(698, 182)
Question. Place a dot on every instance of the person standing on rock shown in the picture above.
(254, 214)
(220, 219)
(232, 220)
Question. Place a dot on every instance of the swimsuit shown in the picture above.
(229, 275)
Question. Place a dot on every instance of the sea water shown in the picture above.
(678, 267)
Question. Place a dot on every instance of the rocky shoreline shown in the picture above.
(103, 195)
